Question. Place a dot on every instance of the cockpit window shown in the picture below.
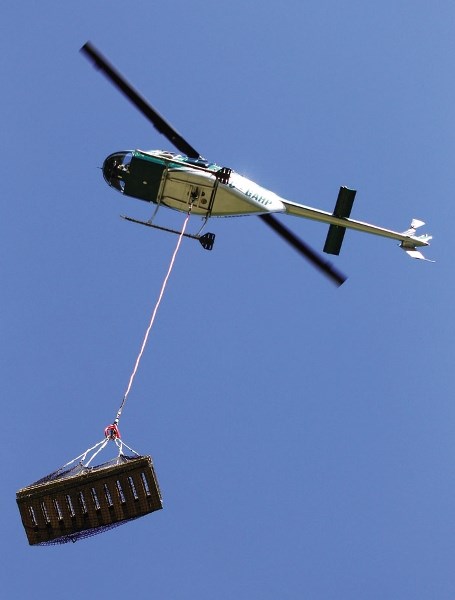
(116, 169)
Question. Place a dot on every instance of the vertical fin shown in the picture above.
(342, 210)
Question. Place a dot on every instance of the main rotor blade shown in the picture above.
(304, 249)
(139, 102)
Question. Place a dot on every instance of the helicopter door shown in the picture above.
(144, 179)
(183, 186)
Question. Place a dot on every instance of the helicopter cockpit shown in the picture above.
(140, 174)
(135, 173)
(116, 169)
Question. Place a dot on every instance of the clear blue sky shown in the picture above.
(303, 435)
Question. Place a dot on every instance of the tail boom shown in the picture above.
(408, 241)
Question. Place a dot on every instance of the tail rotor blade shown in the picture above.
(139, 102)
(304, 249)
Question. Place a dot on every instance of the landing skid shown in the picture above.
(207, 240)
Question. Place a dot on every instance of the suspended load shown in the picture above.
(81, 501)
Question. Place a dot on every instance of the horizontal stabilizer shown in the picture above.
(416, 254)
(342, 210)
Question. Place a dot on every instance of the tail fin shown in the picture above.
(342, 209)
(415, 224)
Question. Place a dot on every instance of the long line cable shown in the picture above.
(152, 320)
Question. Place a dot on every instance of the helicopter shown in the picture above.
(185, 181)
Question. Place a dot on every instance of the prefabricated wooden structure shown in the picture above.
(83, 501)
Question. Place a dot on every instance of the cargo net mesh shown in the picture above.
(75, 471)
(78, 501)
(80, 535)
(81, 469)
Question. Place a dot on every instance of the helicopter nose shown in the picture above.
(114, 169)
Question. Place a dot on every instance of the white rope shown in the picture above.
(152, 319)
(83, 455)
(121, 443)
(97, 452)
(98, 447)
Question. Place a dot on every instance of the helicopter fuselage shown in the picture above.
(176, 181)
(187, 182)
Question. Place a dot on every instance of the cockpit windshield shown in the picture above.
(116, 169)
